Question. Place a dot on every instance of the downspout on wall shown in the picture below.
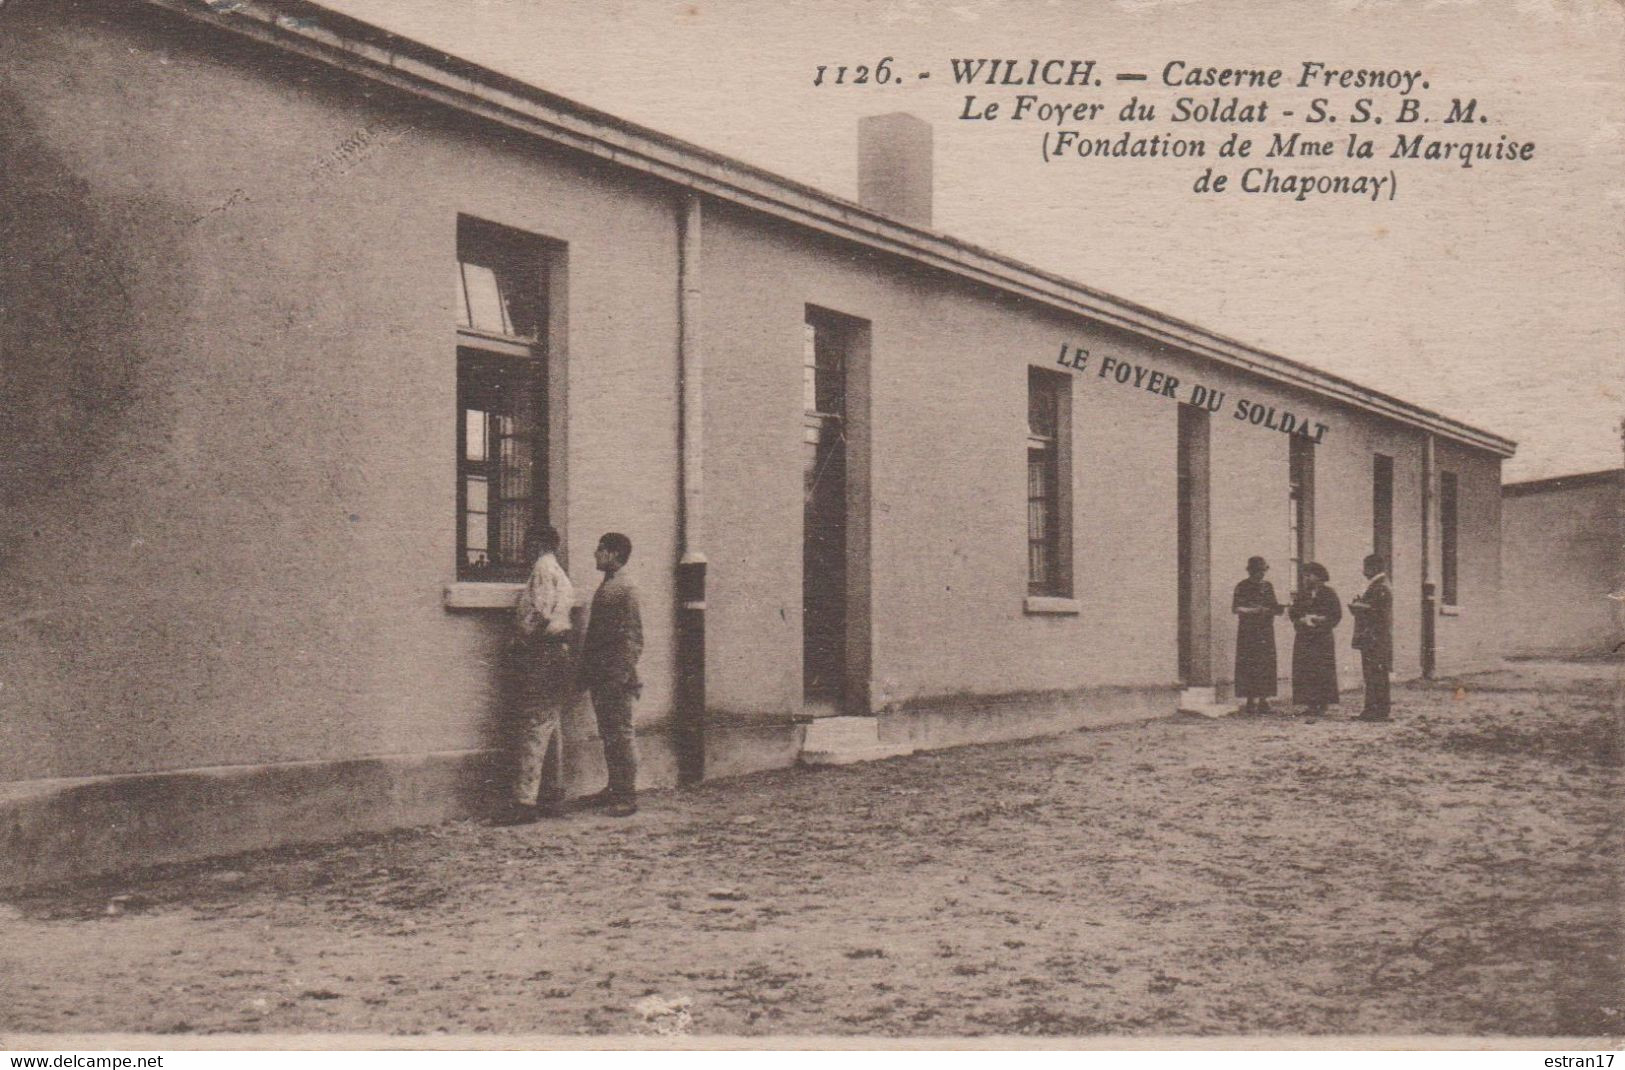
(691, 564)
(1430, 602)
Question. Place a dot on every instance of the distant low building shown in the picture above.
(1563, 564)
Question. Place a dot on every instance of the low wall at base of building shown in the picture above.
(955, 721)
(68, 828)
(65, 828)
(61, 829)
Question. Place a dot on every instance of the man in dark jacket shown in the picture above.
(1374, 637)
(609, 669)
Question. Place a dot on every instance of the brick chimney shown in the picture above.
(894, 166)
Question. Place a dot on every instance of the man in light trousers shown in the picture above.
(542, 673)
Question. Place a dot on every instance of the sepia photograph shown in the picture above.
(712, 524)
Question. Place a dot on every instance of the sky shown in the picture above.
(1495, 295)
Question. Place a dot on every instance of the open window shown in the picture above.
(502, 316)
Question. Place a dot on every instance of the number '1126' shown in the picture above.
(880, 74)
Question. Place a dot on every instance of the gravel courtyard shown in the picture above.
(1456, 872)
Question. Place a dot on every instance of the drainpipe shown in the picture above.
(690, 721)
(1430, 609)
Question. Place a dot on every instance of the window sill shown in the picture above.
(1449, 610)
(465, 594)
(1043, 606)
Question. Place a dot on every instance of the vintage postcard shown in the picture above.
(707, 523)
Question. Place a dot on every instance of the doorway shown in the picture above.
(825, 349)
(1382, 510)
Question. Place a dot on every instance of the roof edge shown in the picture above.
(318, 33)
(1568, 482)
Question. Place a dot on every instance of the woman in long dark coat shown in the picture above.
(1255, 608)
(1315, 612)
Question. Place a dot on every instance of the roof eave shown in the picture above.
(314, 32)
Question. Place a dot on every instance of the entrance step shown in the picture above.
(846, 740)
(1203, 701)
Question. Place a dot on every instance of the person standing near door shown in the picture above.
(1256, 608)
(1374, 637)
(609, 670)
(1315, 613)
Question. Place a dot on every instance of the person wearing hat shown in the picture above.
(1374, 636)
(1315, 612)
(1256, 608)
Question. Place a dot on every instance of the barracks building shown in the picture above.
(1564, 569)
(303, 325)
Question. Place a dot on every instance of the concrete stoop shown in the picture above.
(1202, 701)
(846, 740)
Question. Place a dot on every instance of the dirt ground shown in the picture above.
(1456, 872)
